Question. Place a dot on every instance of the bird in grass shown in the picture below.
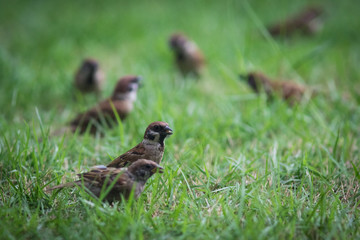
(122, 100)
(151, 147)
(89, 77)
(119, 182)
(188, 57)
(287, 90)
(307, 21)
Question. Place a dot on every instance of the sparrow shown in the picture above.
(100, 178)
(188, 57)
(122, 99)
(289, 91)
(89, 77)
(307, 21)
(151, 147)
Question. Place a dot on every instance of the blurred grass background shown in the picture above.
(236, 167)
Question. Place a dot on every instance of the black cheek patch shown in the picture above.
(162, 138)
(150, 136)
(141, 173)
(180, 56)
(253, 84)
(91, 77)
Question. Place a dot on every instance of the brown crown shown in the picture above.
(124, 83)
(90, 62)
(144, 163)
(177, 40)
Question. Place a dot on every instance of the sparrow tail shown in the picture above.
(61, 186)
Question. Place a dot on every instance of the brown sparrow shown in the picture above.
(100, 178)
(151, 147)
(89, 77)
(188, 57)
(307, 21)
(289, 91)
(123, 98)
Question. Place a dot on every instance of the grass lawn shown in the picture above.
(237, 167)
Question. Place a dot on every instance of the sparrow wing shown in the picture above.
(95, 177)
(101, 175)
(100, 178)
(93, 114)
(134, 154)
(103, 110)
(292, 91)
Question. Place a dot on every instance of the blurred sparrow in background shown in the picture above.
(289, 91)
(89, 77)
(188, 57)
(308, 22)
(151, 147)
(122, 99)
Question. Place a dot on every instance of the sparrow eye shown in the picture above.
(130, 89)
(148, 166)
(157, 128)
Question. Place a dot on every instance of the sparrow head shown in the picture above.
(157, 132)
(90, 63)
(178, 42)
(143, 169)
(126, 88)
(312, 12)
(254, 80)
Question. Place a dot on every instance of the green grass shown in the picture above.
(236, 166)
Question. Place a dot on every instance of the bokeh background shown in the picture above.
(236, 167)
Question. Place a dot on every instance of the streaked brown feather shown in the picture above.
(102, 114)
(147, 149)
(126, 180)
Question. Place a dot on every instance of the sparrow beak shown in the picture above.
(158, 168)
(168, 130)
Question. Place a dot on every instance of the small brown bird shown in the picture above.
(89, 77)
(289, 91)
(188, 57)
(123, 98)
(152, 146)
(307, 22)
(100, 178)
